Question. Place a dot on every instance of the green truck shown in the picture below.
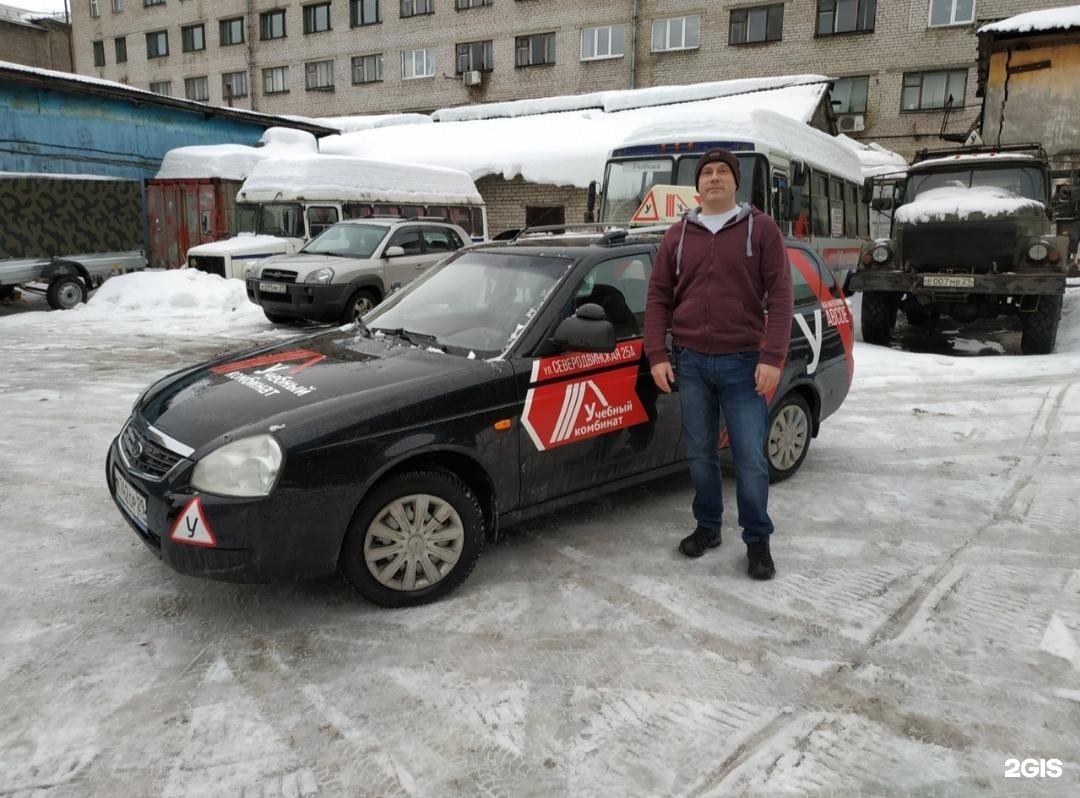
(974, 235)
(63, 235)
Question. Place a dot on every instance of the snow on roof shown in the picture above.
(937, 203)
(329, 177)
(350, 124)
(567, 148)
(1060, 18)
(873, 158)
(234, 161)
(974, 157)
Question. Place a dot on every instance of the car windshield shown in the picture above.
(347, 240)
(1019, 181)
(478, 303)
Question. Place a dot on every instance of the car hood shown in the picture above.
(333, 379)
(302, 264)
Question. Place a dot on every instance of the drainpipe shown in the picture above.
(633, 44)
(251, 53)
(71, 42)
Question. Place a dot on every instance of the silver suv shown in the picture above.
(349, 267)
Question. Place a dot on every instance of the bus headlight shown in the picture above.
(247, 467)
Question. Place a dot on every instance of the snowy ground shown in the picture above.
(924, 627)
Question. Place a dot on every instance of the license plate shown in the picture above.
(133, 501)
(273, 288)
(948, 281)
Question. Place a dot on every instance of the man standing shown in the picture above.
(715, 273)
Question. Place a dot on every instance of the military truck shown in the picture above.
(973, 236)
(63, 235)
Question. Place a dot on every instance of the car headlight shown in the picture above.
(320, 276)
(1038, 251)
(249, 272)
(247, 467)
(193, 263)
(881, 254)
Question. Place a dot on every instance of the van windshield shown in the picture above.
(278, 219)
(347, 240)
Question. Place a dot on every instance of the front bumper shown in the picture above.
(908, 282)
(271, 539)
(302, 301)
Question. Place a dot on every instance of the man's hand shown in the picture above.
(663, 376)
(766, 378)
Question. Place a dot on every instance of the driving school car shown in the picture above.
(504, 383)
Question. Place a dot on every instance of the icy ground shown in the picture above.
(924, 627)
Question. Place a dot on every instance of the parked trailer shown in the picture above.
(187, 212)
(65, 234)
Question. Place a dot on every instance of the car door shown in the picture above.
(402, 269)
(593, 418)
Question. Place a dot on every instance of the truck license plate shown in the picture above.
(273, 288)
(948, 281)
(133, 501)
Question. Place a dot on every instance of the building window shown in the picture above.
(928, 91)
(319, 76)
(231, 31)
(753, 25)
(120, 45)
(233, 85)
(148, 3)
(117, 6)
(462, 5)
(364, 12)
(602, 42)
(475, 56)
(163, 87)
(317, 18)
(196, 89)
(157, 44)
(192, 38)
(414, 8)
(276, 80)
(679, 33)
(951, 12)
(99, 53)
(849, 94)
(367, 68)
(417, 64)
(272, 24)
(845, 16)
(95, 8)
(534, 50)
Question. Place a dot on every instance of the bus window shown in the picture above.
(412, 211)
(819, 200)
(319, 217)
(477, 228)
(836, 207)
(780, 199)
(864, 222)
(387, 210)
(851, 213)
(441, 211)
(355, 210)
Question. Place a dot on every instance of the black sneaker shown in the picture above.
(760, 561)
(695, 544)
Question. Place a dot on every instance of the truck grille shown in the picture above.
(211, 264)
(144, 455)
(278, 275)
(971, 247)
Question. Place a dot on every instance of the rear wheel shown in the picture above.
(415, 539)
(1040, 327)
(788, 441)
(65, 292)
(358, 305)
(878, 317)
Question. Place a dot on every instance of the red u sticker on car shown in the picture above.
(192, 528)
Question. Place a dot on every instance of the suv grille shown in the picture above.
(278, 275)
(211, 264)
(145, 455)
(963, 246)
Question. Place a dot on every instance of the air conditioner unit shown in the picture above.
(851, 123)
(471, 78)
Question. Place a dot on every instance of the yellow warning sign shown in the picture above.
(666, 203)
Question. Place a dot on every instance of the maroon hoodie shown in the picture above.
(712, 289)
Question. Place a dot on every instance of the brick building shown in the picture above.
(35, 39)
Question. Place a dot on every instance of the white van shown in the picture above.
(285, 202)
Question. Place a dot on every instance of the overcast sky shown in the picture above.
(37, 5)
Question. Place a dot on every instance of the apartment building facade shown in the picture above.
(897, 62)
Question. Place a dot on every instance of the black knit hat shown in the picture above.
(717, 155)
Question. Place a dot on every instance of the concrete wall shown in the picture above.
(41, 44)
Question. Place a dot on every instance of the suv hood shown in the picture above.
(302, 264)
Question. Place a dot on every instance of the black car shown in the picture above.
(504, 383)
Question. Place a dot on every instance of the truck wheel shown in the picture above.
(917, 315)
(65, 292)
(414, 539)
(6, 292)
(878, 317)
(788, 439)
(1040, 327)
(358, 305)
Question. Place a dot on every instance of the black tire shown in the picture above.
(359, 304)
(365, 550)
(6, 292)
(275, 318)
(65, 292)
(788, 439)
(1039, 336)
(878, 317)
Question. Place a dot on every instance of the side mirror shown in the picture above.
(394, 252)
(590, 203)
(867, 189)
(588, 330)
(881, 204)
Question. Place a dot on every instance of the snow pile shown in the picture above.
(962, 159)
(937, 203)
(1061, 18)
(234, 161)
(328, 177)
(350, 124)
(873, 158)
(241, 243)
(569, 148)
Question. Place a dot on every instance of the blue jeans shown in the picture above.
(708, 386)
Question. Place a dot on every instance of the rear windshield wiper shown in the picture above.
(413, 337)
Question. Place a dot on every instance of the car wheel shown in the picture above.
(65, 292)
(276, 318)
(415, 539)
(358, 305)
(1040, 327)
(788, 440)
(878, 317)
(6, 292)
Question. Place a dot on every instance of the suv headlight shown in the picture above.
(320, 276)
(247, 467)
(1038, 251)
